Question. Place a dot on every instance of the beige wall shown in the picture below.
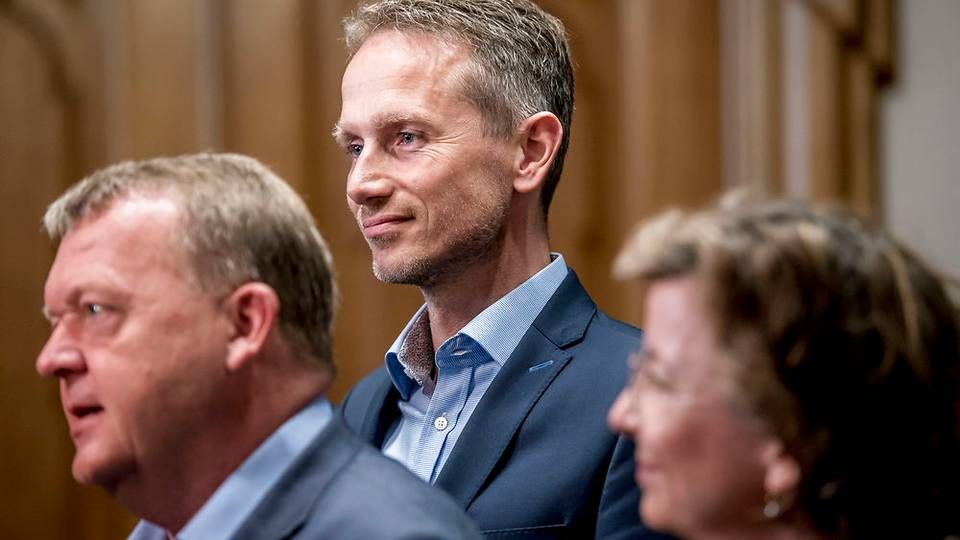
(921, 133)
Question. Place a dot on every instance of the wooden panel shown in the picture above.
(158, 78)
(325, 165)
(669, 114)
(811, 75)
(680, 108)
(264, 84)
(751, 95)
(209, 74)
(880, 36)
(842, 16)
(582, 227)
(822, 95)
(860, 128)
(35, 451)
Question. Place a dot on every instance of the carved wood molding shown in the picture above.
(46, 25)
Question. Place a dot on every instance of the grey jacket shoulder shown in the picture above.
(342, 488)
(376, 497)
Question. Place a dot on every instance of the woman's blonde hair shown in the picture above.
(846, 346)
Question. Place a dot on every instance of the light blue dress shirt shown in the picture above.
(466, 364)
(238, 496)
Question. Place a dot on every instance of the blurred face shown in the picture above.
(136, 347)
(429, 190)
(699, 456)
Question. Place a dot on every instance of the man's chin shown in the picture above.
(397, 276)
(97, 472)
(400, 270)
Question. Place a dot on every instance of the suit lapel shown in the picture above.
(381, 412)
(537, 360)
(289, 503)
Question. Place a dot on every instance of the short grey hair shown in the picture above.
(520, 54)
(240, 223)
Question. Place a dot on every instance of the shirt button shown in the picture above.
(440, 423)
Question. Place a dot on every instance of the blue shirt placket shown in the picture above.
(456, 360)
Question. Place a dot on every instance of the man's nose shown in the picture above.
(369, 178)
(59, 357)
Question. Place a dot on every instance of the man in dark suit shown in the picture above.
(191, 301)
(456, 116)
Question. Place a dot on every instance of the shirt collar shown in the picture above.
(237, 497)
(498, 329)
(405, 384)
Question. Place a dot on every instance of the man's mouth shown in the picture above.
(82, 411)
(81, 416)
(381, 224)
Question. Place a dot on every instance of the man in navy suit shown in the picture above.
(191, 301)
(456, 116)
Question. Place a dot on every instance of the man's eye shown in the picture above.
(354, 149)
(93, 308)
(407, 137)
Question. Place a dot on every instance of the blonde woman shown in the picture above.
(799, 378)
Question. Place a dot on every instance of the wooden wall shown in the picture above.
(677, 101)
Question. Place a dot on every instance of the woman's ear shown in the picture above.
(252, 309)
(540, 137)
(782, 470)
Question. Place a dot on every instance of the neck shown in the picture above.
(171, 497)
(457, 299)
(170, 489)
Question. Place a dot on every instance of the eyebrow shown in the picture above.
(338, 134)
(380, 122)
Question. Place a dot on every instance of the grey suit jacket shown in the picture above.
(341, 488)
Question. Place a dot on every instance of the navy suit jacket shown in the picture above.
(536, 459)
(341, 488)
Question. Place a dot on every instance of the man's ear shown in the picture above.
(540, 137)
(253, 309)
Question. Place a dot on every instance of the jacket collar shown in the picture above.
(288, 505)
(535, 363)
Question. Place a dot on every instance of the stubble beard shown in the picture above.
(476, 243)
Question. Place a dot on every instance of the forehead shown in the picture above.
(128, 240)
(412, 70)
(676, 306)
(678, 327)
(392, 52)
(138, 218)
